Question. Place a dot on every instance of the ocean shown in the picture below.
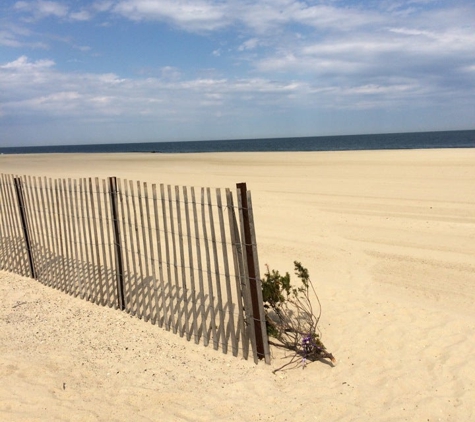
(416, 140)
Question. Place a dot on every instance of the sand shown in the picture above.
(388, 238)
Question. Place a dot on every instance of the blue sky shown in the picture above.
(88, 71)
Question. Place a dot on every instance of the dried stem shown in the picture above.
(290, 316)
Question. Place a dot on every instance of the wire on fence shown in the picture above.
(183, 258)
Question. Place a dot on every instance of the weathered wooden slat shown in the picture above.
(204, 328)
(217, 276)
(96, 241)
(109, 240)
(63, 240)
(239, 270)
(250, 322)
(212, 308)
(175, 292)
(12, 223)
(162, 309)
(12, 226)
(129, 273)
(193, 298)
(45, 199)
(118, 259)
(60, 280)
(257, 278)
(5, 238)
(137, 256)
(184, 309)
(79, 291)
(133, 280)
(55, 273)
(153, 285)
(94, 244)
(75, 237)
(68, 260)
(44, 252)
(170, 321)
(146, 277)
(89, 287)
(229, 295)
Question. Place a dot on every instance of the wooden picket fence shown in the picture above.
(182, 258)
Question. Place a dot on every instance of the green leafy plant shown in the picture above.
(290, 317)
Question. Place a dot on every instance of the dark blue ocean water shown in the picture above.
(418, 140)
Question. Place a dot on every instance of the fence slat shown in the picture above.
(55, 269)
(211, 307)
(137, 256)
(4, 227)
(75, 240)
(184, 295)
(204, 330)
(79, 291)
(59, 234)
(240, 275)
(64, 251)
(176, 309)
(153, 298)
(117, 243)
(49, 259)
(13, 224)
(192, 269)
(109, 240)
(257, 278)
(146, 282)
(127, 247)
(220, 332)
(229, 302)
(170, 321)
(254, 311)
(162, 311)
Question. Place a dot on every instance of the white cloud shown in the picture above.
(82, 15)
(187, 14)
(22, 64)
(42, 8)
(18, 36)
(250, 44)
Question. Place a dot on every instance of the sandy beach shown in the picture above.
(388, 238)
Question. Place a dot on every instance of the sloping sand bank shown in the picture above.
(388, 238)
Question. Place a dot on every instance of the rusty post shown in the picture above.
(254, 283)
(21, 205)
(117, 243)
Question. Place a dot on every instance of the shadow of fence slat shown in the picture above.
(182, 258)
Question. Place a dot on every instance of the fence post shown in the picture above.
(117, 243)
(254, 282)
(21, 204)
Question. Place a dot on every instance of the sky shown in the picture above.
(101, 71)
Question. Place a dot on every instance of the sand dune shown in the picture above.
(388, 239)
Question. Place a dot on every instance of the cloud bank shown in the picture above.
(271, 59)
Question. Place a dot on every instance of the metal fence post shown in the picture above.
(117, 243)
(21, 205)
(254, 281)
